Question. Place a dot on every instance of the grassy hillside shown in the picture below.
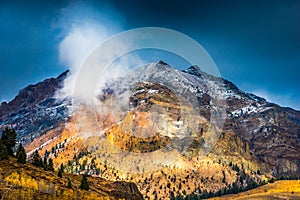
(18, 181)
(286, 189)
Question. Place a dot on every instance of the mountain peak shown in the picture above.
(63, 75)
(162, 62)
(193, 70)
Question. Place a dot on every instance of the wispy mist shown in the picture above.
(84, 27)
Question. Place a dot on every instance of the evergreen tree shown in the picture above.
(8, 139)
(3, 152)
(224, 177)
(21, 154)
(84, 183)
(98, 171)
(50, 165)
(59, 173)
(45, 163)
(61, 167)
(235, 187)
(204, 195)
(272, 180)
(69, 183)
(172, 195)
(37, 160)
(47, 153)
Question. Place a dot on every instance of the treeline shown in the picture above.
(284, 177)
(243, 183)
(7, 143)
(46, 163)
(232, 189)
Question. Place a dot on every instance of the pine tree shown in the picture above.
(204, 195)
(21, 154)
(235, 188)
(224, 177)
(3, 152)
(37, 160)
(47, 153)
(8, 139)
(59, 173)
(50, 165)
(84, 183)
(45, 163)
(69, 183)
(62, 167)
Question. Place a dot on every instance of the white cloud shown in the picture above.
(79, 42)
(84, 29)
(75, 48)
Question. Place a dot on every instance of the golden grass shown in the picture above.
(285, 189)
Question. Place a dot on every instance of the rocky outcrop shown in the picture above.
(36, 110)
(272, 132)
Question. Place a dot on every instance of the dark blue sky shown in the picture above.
(255, 44)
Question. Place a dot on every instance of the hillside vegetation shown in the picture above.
(25, 181)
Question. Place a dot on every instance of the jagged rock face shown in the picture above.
(271, 132)
(273, 136)
(36, 110)
(141, 130)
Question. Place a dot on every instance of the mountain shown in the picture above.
(171, 132)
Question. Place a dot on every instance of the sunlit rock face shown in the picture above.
(156, 115)
(153, 104)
